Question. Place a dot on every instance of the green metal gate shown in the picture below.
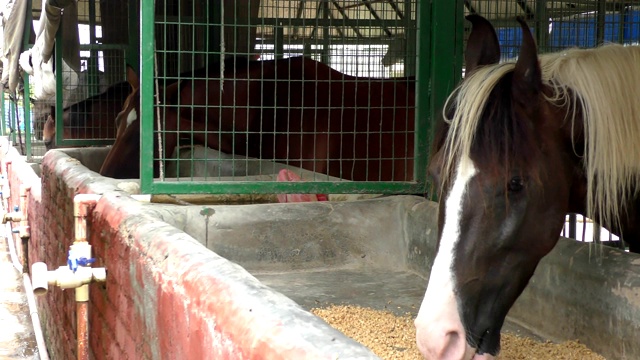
(365, 39)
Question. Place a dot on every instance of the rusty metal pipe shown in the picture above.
(82, 316)
(83, 204)
(33, 310)
(23, 231)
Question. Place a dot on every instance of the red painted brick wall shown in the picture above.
(166, 296)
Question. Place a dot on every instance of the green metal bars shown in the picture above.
(344, 130)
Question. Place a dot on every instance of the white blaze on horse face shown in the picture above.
(439, 330)
(133, 116)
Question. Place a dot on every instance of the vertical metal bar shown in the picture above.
(25, 98)
(572, 226)
(326, 53)
(3, 109)
(215, 28)
(92, 65)
(278, 47)
(542, 26)
(600, 21)
(423, 91)
(147, 115)
(12, 119)
(133, 49)
(621, 24)
(410, 35)
(26, 104)
(445, 72)
(59, 88)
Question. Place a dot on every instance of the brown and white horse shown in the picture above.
(523, 143)
(295, 111)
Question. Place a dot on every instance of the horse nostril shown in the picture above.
(455, 346)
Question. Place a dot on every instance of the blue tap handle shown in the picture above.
(74, 262)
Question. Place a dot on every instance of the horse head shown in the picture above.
(123, 159)
(49, 132)
(120, 161)
(505, 168)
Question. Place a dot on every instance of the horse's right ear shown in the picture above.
(132, 78)
(483, 47)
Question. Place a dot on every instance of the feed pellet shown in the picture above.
(393, 337)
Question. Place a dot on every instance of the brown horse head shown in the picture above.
(49, 133)
(91, 118)
(505, 168)
(123, 158)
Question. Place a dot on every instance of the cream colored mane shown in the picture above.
(605, 82)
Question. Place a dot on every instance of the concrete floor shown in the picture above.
(17, 339)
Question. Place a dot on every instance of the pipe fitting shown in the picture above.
(22, 231)
(83, 204)
(5, 167)
(4, 187)
(15, 216)
(24, 198)
(79, 255)
(63, 277)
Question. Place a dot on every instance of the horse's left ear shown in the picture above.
(527, 76)
(483, 47)
(132, 78)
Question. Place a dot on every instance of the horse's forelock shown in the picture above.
(476, 112)
(505, 141)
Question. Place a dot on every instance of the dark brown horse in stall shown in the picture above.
(92, 118)
(524, 143)
(296, 111)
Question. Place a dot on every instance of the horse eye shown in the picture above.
(516, 184)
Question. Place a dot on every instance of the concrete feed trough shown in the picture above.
(373, 253)
(218, 281)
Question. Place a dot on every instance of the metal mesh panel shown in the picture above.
(561, 24)
(16, 109)
(90, 99)
(325, 89)
(15, 124)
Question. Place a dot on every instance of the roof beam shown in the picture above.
(375, 16)
(364, 2)
(529, 14)
(345, 17)
(330, 14)
(395, 7)
(299, 12)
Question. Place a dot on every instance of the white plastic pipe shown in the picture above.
(31, 302)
